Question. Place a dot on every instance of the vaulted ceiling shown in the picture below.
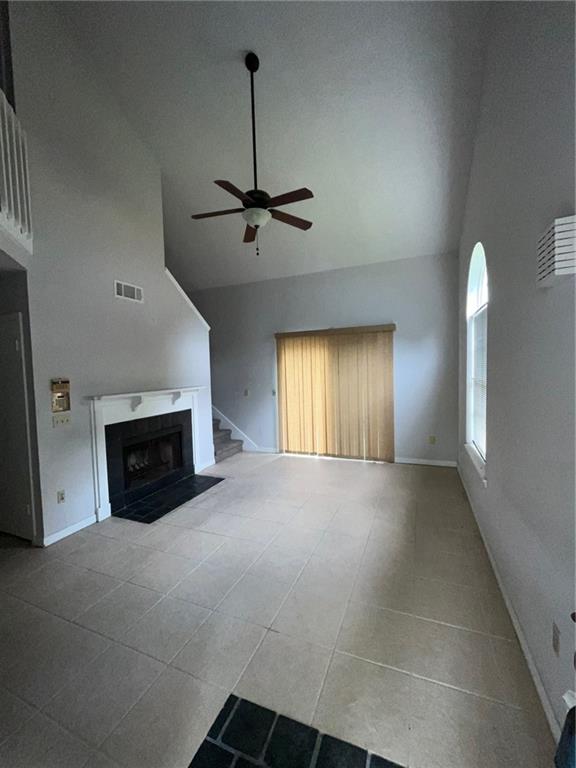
(373, 106)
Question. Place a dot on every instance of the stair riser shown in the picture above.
(224, 446)
(221, 455)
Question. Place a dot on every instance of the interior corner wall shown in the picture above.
(420, 295)
(14, 298)
(97, 209)
(522, 178)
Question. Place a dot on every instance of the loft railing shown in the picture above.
(15, 211)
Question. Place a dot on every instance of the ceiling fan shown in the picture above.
(258, 207)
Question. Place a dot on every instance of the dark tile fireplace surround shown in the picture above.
(151, 466)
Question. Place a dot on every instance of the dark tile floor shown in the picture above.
(245, 735)
(153, 507)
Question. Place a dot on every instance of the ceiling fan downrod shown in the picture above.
(252, 64)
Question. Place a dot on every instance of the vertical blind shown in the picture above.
(335, 392)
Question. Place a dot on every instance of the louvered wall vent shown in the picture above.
(557, 251)
(127, 291)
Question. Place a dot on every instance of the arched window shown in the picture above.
(477, 331)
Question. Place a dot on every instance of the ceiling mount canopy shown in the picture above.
(258, 206)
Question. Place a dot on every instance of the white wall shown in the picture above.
(522, 178)
(97, 208)
(418, 294)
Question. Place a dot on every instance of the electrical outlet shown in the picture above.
(432, 439)
(60, 497)
(61, 419)
(555, 638)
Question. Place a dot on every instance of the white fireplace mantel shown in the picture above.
(127, 406)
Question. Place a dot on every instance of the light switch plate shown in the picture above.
(61, 419)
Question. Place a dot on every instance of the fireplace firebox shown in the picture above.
(146, 455)
(148, 460)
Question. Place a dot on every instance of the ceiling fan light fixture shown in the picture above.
(256, 217)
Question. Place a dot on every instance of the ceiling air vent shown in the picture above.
(127, 291)
(557, 251)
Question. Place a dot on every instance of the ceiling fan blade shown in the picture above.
(217, 213)
(294, 221)
(291, 197)
(229, 187)
(249, 234)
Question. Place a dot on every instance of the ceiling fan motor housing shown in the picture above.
(257, 199)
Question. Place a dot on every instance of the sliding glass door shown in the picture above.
(335, 392)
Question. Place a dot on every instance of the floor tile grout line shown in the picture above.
(487, 635)
(267, 630)
(410, 719)
(417, 676)
(215, 609)
(254, 563)
(269, 737)
(316, 750)
(118, 724)
(34, 712)
(294, 582)
(75, 621)
(329, 665)
(227, 721)
(80, 738)
(161, 597)
(112, 641)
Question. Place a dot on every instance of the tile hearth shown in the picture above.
(245, 735)
(355, 599)
(151, 508)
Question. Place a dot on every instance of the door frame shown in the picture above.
(35, 537)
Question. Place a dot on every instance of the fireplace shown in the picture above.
(150, 459)
(146, 455)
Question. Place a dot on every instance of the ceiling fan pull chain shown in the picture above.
(257, 245)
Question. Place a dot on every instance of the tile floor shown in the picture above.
(356, 598)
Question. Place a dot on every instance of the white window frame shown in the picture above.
(476, 311)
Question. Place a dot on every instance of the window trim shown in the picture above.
(478, 462)
(472, 310)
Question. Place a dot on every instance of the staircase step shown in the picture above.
(222, 436)
(225, 450)
(215, 424)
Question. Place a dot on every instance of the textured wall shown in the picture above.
(97, 208)
(522, 178)
(419, 295)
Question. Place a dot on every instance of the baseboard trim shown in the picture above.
(426, 462)
(240, 435)
(555, 727)
(54, 537)
(203, 465)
